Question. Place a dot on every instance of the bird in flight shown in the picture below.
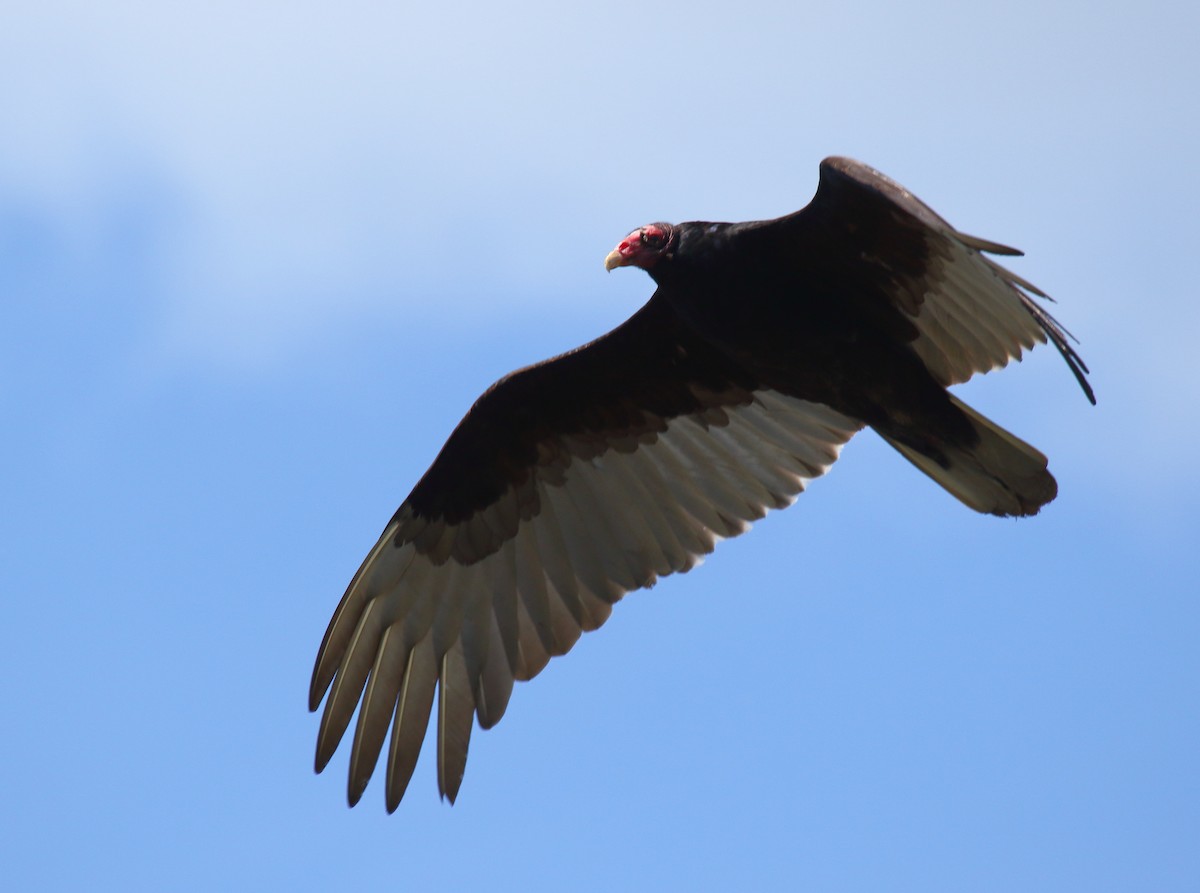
(569, 483)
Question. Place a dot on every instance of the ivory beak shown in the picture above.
(614, 260)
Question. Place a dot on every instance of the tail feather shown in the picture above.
(1000, 474)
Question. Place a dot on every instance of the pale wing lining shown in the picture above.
(603, 526)
(974, 316)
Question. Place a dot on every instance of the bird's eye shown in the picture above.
(653, 237)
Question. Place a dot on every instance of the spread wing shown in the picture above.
(567, 485)
(962, 312)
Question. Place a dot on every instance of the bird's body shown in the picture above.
(766, 346)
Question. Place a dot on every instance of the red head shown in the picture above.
(641, 248)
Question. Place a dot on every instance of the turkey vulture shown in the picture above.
(765, 347)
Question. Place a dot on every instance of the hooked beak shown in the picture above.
(625, 253)
(615, 259)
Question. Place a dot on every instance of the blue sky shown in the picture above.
(257, 259)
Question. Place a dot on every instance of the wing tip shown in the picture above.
(987, 245)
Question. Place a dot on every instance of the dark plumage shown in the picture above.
(766, 346)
